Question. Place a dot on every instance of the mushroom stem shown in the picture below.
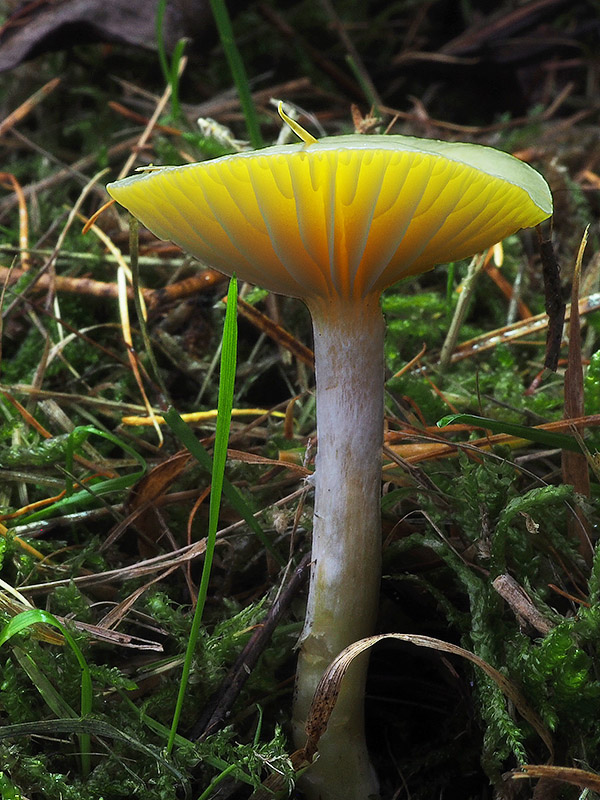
(346, 548)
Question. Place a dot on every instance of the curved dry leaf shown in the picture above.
(577, 777)
(328, 689)
(329, 686)
(36, 28)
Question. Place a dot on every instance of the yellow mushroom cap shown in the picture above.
(346, 216)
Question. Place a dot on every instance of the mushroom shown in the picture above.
(334, 222)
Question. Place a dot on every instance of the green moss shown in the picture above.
(418, 389)
(24, 358)
(68, 600)
(555, 673)
(412, 319)
(592, 385)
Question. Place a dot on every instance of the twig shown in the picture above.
(52, 258)
(521, 604)
(69, 171)
(150, 565)
(23, 218)
(200, 282)
(464, 298)
(141, 142)
(519, 329)
(276, 332)
(23, 110)
(219, 706)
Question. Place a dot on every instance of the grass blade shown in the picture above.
(238, 71)
(95, 487)
(97, 727)
(548, 438)
(224, 406)
(233, 495)
(33, 617)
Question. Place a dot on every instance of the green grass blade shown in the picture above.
(548, 438)
(170, 70)
(163, 731)
(37, 615)
(8, 791)
(100, 487)
(233, 495)
(208, 792)
(42, 683)
(238, 71)
(97, 727)
(175, 67)
(160, 40)
(224, 406)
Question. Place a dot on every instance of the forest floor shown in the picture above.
(489, 525)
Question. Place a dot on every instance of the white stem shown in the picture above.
(346, 550)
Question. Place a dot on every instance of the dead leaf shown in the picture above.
(145, 493)
(575, 465)
(328, 689)
(577, 777)
(329, 686)
(36, 28)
